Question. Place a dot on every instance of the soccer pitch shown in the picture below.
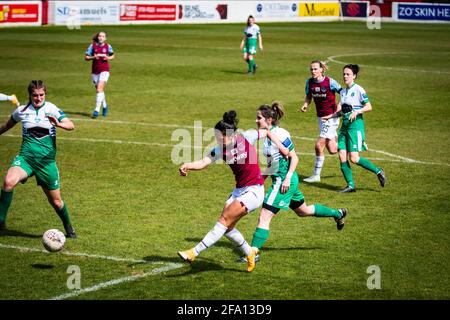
(133, 212)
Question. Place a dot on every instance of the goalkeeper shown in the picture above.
(354, 102)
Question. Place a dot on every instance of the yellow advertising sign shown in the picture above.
(319, 9)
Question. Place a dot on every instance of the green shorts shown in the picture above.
(276, 199)
(47, 173)
(250, 47)
(352, 138)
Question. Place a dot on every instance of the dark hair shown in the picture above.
(35, 85)
(228, 125)
(95, 37)
(274, 111)
(353, 67)
(250, 17)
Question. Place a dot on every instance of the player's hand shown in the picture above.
(326, 118)
(53, 121)
(353, 116)
(285, 186)
(183, 170)
(304, 108)
(261, 48)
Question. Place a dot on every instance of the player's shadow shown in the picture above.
(233, 72)
(200, 265)
(323, 185)
(14, 233)
(84, 114)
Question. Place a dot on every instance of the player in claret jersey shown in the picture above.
(100, 53)
(37, 154)
(322, 89)
(237, 150)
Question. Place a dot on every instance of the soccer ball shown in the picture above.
(53, 240)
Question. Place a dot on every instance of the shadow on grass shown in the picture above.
(14, 233)
(199, 265)
(234, 72)
(42, 266)
(84, 114)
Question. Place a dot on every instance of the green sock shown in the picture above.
(251, 63)
(260, 237)
(63, 214)
(322, 211)
(347, 172)
(5, 201)
(366, 164)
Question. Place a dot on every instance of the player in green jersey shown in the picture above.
(351, 139)
(284, 192)
(252, 35)
(37, 154)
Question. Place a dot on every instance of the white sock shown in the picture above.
(238, 239)
(211, 238)
(318, 165)
(104, 101)
(4, 97)
(99, 99)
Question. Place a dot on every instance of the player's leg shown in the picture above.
(319, 211)
(343, 146)
(318, 163)
(262, 231)
(12, 98)
(60, 207)
(47, 176)
(14, 175)
(251, 63)
(104, 77)
(245, 56)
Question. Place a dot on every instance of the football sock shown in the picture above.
(322, 211)
(347, 172)
(63, 214)
(4, 97)
(366, 164)
(100, 97)
(104, 101)
(238, 239)
(318, 165)
(260, 236)
(211, 238)
(5, 201)
(251, 63)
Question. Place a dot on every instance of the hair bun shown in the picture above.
(230, 117)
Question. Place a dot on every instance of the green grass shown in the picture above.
(127, 200)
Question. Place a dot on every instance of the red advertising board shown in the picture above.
(142, 12)
(13, 13)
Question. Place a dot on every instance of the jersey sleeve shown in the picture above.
(251, 136)
(363, 97)
(15, 115)
(90, 50)
(215, 154)
(307, 89)
(285, 138)
(258, 31)
(56, 112)
(110, 50)
(335, 86)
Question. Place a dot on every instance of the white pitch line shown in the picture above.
(166, 268)
(80, 254)
(333, 59)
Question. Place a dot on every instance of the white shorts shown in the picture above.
(328, 128)
(102, 76)
(251, 197)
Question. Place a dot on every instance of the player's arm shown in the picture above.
(7, 125)
(366, 108)
(64, 123)
(243, 42)
(89, 54)
(196, 165)
(306, 103)
(111, 57)
(292, 165)
(260, 41)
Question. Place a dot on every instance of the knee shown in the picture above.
(354, 158)
(9, 183)
(57, 203)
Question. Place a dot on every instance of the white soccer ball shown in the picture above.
(53, 240)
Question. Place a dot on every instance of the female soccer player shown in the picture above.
(252, 35)
(100, 53)
(237, 150)
(37, 155)
(12, 98)
(284, 192)
(354, 102)
(322, 89)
